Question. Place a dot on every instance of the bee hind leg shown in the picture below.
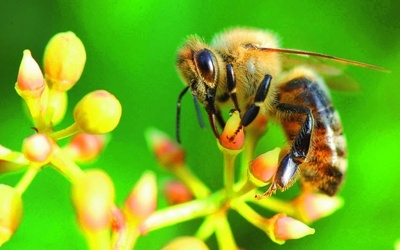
(288, 168)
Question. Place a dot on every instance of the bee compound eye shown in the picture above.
(206, 64)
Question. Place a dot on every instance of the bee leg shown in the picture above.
(231, 82)
(220, 119)
(213, 117)
(212, 111)
(288, 167)
(252, 112)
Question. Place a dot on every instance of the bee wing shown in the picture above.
(335, 76)
(331, 67)
(290, 61)
(308, 54)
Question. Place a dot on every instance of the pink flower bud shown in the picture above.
(281, 228)
(85, 147)
(168, 153)
(232, 136)
(93, 197)
(287, 228)
(142, 201)
(10, 212)
(185, 243)
(311, 207)
(11, 161)
(264, 167)
(176, 192)
(30, 82)
(64, 60)
(38, 148)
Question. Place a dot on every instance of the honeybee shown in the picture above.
(243, 67)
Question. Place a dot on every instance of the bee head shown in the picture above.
(198, 67)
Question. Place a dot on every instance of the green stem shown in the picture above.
(223, 232)
(247, 157)
(206, 228)
(71, 130)
(27, 179)
(198, 188)
(249, 214)
(229, 172)
(65, 165)
(275, 205)
(183, 212)
(245, 189)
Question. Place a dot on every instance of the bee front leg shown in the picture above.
(288, 167)
(231, 83)
(252, 112)
(261, 94)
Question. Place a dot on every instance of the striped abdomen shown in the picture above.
(325, 164)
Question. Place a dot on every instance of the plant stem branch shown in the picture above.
(68, 131)
(223, 232)
(275, 205)
(27, 179)
(65, 165)
(182, 212)
(198, 188)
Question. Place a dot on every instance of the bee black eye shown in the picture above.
(206, 64)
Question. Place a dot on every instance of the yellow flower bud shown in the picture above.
(10, 212)
(231, 137)
(37, 148)
(93, 197)
(64, 60)
(57, 106)
(98, 112)
(30, 82)
(186, 242)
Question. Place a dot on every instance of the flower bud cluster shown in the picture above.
(45, 95)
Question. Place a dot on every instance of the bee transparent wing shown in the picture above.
(308, 54)
(330, 67)
(325, 69)
(335, 75)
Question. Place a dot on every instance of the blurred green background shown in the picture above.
(131, 47)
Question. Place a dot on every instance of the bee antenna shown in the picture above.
(178, 114)
(198, 113)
